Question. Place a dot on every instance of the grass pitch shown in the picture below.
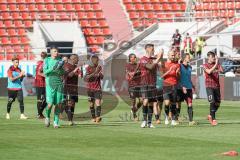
(117, 137)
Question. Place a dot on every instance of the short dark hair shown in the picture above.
(211, 53)
(185, 55)
(53, 47)
(130, 55)
(149, 45)
(43, 54)
(15, 58)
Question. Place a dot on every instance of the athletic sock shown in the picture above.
(145, 112)
(39, 107)
(150, 113)
(21, 106)
(43, 106)
(173, 110)
(212, 111)
(166, 108)
(190, 113)
(157, 117)
(69, 113)
(92, 109)
(56, 115)
(9, 105)
(178, 111)
(48, 112)
(98, 111)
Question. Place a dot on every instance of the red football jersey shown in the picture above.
(212, 80)
(93, 83)
(171, 78)
(136, 79)
(39, 79)
(148, 77)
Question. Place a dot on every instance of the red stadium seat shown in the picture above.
(16, 16)
(127, 1)
(79, 7)
(99, 15)
(44, 16)
(39, 1)
(24, 40)
(10, 57)
(87, 7)
(2, 57)
(22, 7)
(51, 7)
(60, 7)
(2, 25)
(222, 5)
(152, 15)
(48, 1)
(106, 31)
(146, 1)
(6, 16)
(22, 56)
(13, 7)
(32, 7)
(148, 7)
(96, 7)
(133, 15)
(66, 1)
(15, 40)
(9, 24)
(103, 23)
(100, 40)
(137, 24)
(30, 1)
(28, 24)
(3, 32)
(41, 7)
(157, 7)
(97, 31)
(139, 7)
(81, 15)
(91, 40)
(69, 7)
(130, 7)
(26, 16)
(230, 5)
(94, 23)
(18, 24)
(21, 32)
(12, 32)
(88, 31)
(3, 7)
(94, 1)
(237, 5)
(91, 15)
(84, 23)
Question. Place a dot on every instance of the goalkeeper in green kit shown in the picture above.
(53, 71)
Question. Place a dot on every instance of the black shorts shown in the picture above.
(13, 94)
(93, 95)
(159, 95)
(214, 95)
(149, 92)
(184, 97)
(134, 92)
(69, 97)
(170, 93)
(41, 93)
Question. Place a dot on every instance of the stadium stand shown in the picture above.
(152, 11)
(17, 18)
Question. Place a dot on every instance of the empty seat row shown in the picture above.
(93, 23)
(16, 24)
(14, 40)
(152, 1)
(12, 32)
(49, 1)
(137, 15)
(156, 7)
(95, 40)
(223, 14)
(97, 31)
(217, 6)
(50, 7)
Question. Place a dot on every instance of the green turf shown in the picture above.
(118, 137)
